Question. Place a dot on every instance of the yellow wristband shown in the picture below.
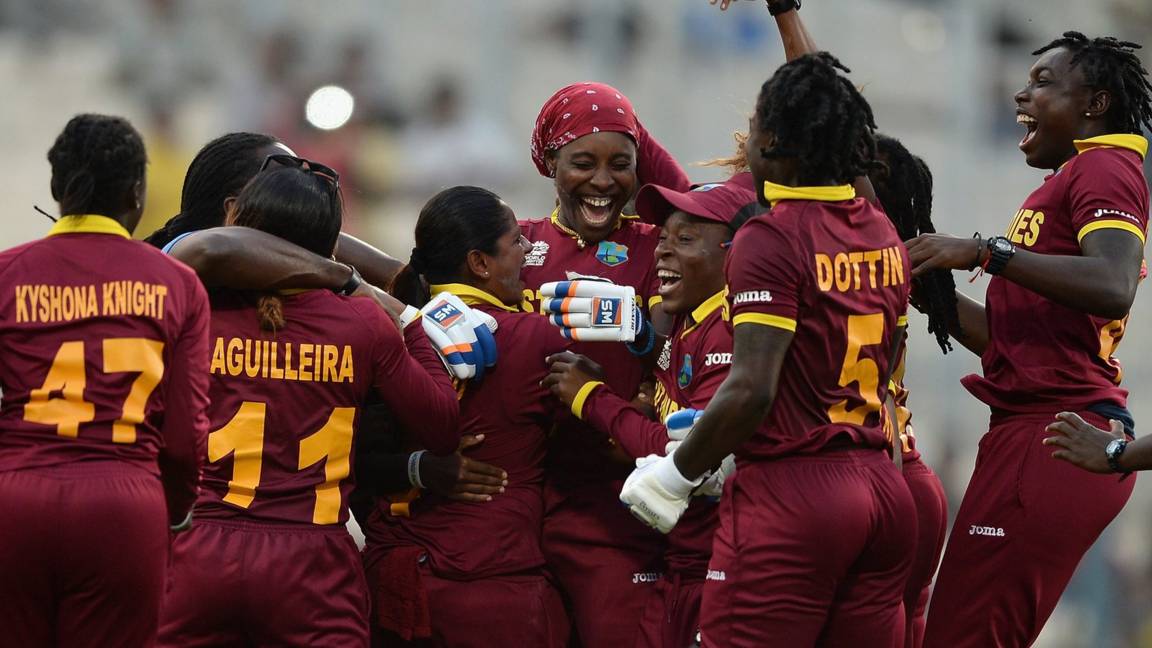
(582, 396)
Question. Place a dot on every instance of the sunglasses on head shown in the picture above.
(315, 168)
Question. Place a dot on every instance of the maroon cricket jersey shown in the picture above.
(104, 355)
(1042, 355)
(830, 268)
(626, 257)
(468, 540)
(286, 404)
(692, 366)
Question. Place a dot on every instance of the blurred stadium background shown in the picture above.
(442, 93)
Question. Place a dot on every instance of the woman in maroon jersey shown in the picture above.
(464, 574)
(1063, 282)
(289, 376)
(588, 139)
(104, 380)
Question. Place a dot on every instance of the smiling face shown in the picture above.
(690, 261)
(499, 274)
(1052, 107)
(595, 178)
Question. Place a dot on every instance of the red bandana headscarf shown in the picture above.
(578, 110)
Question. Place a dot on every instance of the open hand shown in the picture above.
(943, 252)
(1081, 443)
(459, 478)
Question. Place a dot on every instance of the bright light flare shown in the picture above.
(329, 107)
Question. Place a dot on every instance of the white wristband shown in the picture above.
(414, 468)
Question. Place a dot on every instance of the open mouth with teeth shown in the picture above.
(1031, 124)
(669, 280)
(596, 210)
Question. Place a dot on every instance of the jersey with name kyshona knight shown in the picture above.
(1041, 354)
(104, 351)
(830, 268)
(286, 404)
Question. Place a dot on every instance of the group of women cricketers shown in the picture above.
(687, 426)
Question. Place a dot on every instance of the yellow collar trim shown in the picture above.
(709, 306)
(88, 224)
(471, 295)
(774, 193)
(1136, 143)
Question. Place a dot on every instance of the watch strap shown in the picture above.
(353, 282)
(1000, 252)
(1113, 453)
(777, 7)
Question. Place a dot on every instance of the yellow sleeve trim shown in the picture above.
(1110, 224)
(582, 396)
(653, 300)
(902, 320)
(766, 320)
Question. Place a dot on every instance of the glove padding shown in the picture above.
(591, 309)
(461, 335)
(656, 493)
(713, 486)
(681, 422)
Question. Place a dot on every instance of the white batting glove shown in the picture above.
(592, 310)
(461, 335)
(714, 485)
(656, 493)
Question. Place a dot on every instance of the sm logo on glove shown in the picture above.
(445, 314)
(606, 311)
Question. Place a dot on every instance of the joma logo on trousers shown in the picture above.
(986, 531)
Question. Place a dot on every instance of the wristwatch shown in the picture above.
(352, 284)
(777, 7)
(1112, 451)
(1000, 252)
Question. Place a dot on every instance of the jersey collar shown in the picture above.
(580, 242)
(1135, 143)
(471, 295)
(88, 224)
(774, 193)
(709, 306)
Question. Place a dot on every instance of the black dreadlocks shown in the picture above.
(905, 191)
(818, 117)
(219, 170)
(1112, 65)
(96, 161)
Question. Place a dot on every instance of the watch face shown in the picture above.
(1113, 447)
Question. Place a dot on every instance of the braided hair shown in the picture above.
(220, 170)
(1112, 65)
(97, 161)
(905, 192)
(818, 117)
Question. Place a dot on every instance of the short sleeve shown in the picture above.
(765, 276)
(1107, 190)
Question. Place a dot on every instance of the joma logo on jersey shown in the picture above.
(445, 314)
(606, 312)
(646, 577)
(986, 531)
(1025, 228)
(752, 297)
(713, 359)
(1115, 212)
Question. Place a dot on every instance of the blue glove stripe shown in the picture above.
(563, 288)
(487, 343)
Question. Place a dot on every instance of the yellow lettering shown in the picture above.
(54, 303)
(264, 344)
(305, 363)
(235, 357)
(121, 298)
(90, 305)
(843, 272)
(824, 272)
(331, 357)
(21, 307)
(1034, 229)
(1015, 222)
(108, 306)
(217, 366)
(45, 305)
(289, 372)
(871, 257)
(137, 298)
(346, 372)
(67, 303)
(897, 266)
(275, 371)
(161, 293)
(251, 359)
(855, 258)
